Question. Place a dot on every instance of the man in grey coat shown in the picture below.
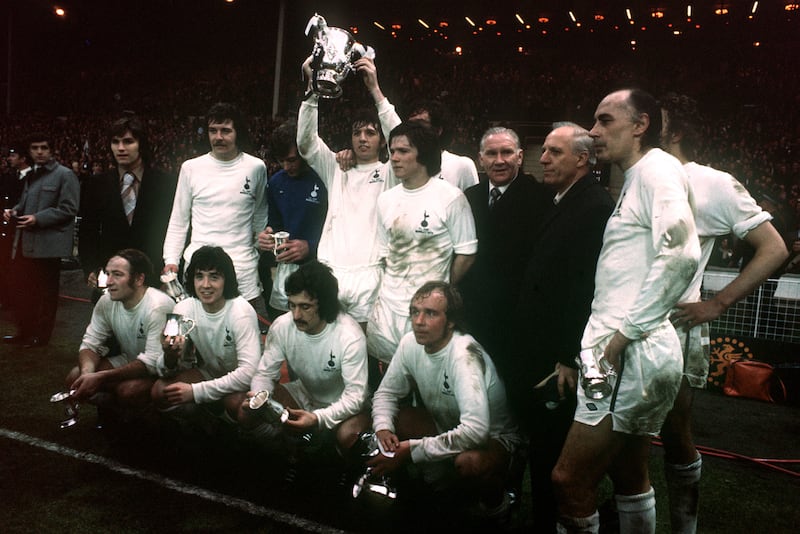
(45, 222)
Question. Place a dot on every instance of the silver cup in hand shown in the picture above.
(268, 408)
(173, 287)
(595, 375)
(280, 240)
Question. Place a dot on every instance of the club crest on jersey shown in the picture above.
(247, 189)
(423, 225)
(446, 390)
(376, 177)
(330, 366)
(228, 338)
(313, 196)
(140, 333)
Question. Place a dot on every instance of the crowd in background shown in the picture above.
(750, 101)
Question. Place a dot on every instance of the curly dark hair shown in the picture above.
(318, 281)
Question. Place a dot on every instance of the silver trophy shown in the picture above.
(335, 51)
(71, 407)
(102, 281)
(280, 240)
(380, 486)
(173, 287)
(267, 408)
(595, 375)
(178, 325)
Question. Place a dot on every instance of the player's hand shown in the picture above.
(179, 393)
(388, 440)
(266, 239)
(382, 465)
(691, 314)
(346, 159)
(293, 251)
(86, 385)
(615, 348)
(170, 268)
(91, 280)
(301, 420)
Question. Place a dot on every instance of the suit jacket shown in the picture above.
(556, 293)
(490, 286)
(104, 228)
(51, 194)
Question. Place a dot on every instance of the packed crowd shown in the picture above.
(750, 105)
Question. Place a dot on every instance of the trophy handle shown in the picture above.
(191, 325)
(317, 21)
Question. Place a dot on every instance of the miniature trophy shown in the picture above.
(375, 485)
(267, 408)
(71, 407)
(280, 240)
(173, 287)
(102, 281)
(334, 52)
(178, 325)
(595, 375)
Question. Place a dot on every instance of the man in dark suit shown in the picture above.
(11, 185)
(507, 205)
(127, 207)
(44, 218)
(555, 300)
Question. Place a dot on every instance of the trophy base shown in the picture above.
(326, 85)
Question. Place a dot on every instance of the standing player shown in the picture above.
(723, 207)
(221, 200)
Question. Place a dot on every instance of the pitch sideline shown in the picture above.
(174, 485)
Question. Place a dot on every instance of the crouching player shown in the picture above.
(132, 314)
(464, 432)
(226, 341)
(326, 350)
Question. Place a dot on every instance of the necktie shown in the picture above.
(494, 194)
(128, 193)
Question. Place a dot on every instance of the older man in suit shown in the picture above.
(45, 223)
(555, 300)
(507, 205)
(116, 215)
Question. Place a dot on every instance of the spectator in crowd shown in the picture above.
(553, 304)
(348, 244)
(298, 203)
(326, 350)
(10, 190)
(221, 200)
(134, 315)
(649, 255)
(722, 206)
(507, 205)
(214, 364)
(425, 232)
(44, 218)
(126, 207)
(461, 431)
